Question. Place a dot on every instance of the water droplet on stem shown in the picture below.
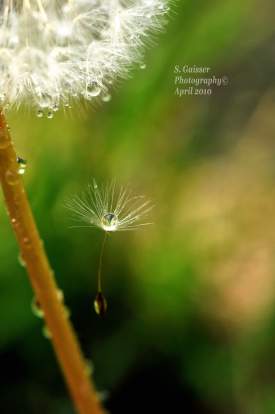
(60, 295)
(36, 308)
(22, 165)
(21, 260)
(89, 369)
(11, 177)
(46, 333)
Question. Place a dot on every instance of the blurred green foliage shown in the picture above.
(190, 298)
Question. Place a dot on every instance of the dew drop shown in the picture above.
(100, 304)
(46, 333)
(55, 107)
(36, 308)
(106, 98)
(95, 185)
(142, 66)
(27, 242)
(50, 114)
(2, 98)
(22, 165)
(45, 100)
(92, 90)
(109, 222)
(11, 177)
(67, 312)
(89, 369)
(60, 295)
(66, 8)
(39, 113)
(21, 260)
(103, 395)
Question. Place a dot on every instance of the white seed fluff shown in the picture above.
(109, 208)
(52, 51)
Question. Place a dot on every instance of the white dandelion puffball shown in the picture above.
(52, 51)
(110, 208)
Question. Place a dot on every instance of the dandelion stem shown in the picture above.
(99, 274)
(42, 279)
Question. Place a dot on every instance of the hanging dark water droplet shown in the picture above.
(100, 304)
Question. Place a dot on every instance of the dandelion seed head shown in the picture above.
(53, 51)
(109, 208)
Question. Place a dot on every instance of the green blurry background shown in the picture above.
(191, 317)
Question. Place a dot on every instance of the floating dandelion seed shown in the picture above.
(111, 209)
(53, 51)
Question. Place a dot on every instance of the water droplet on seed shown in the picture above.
(39, 113)
(109, 222)
(92, 90)
(50, 114)
(55, 107)
(100, 304)
(95, 185)
(106, 98)
(2, 98)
